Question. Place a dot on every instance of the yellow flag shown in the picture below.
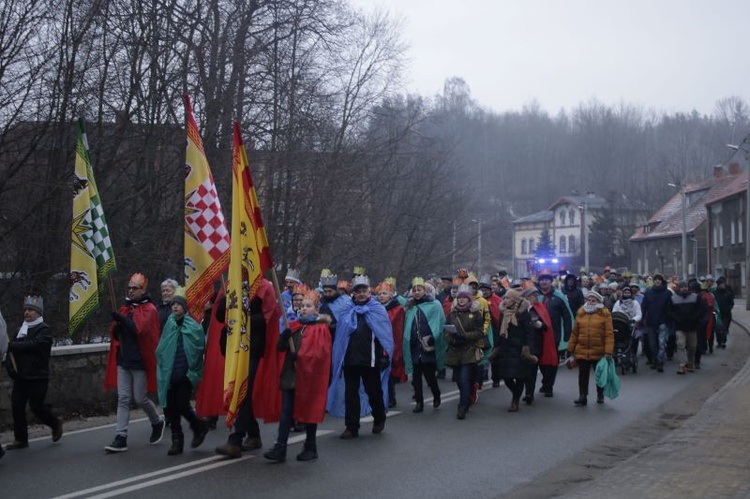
(206, 254)
(250, 259)
(92, 258)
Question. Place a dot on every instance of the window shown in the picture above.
(523, 246)
(721, 236)
(716, 237)
(562, 217)
(572, 217)
(532, 246)
(732, 235)
(739, 232)
(571, 244)
(562, 244)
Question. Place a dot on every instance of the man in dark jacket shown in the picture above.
(562, 324)
(654, 308)
(28, 356)
(573, 293)
(725, 302)
(685, 309)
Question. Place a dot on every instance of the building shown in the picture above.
(563, 221)
(656, 246)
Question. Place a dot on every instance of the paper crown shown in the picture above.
(391, 281)
(35, 303)
(312, 296)
(360, 280)
(138, 279)
(300, 289)
(359, 270)
(463, 289)
(328, 279)
(293, 275)
(417, 281)
(462, 273)
(385, 286)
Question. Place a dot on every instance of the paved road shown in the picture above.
(491, 453)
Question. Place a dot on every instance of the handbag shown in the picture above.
(425, 340)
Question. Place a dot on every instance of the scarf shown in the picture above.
(627, 307)
(464, 308)
(590, 309)
(308, 319)
(510, 307)
(26, 325)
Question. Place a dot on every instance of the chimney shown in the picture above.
(718, 171)
(734, 168)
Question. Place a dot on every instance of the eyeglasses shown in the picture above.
(133, 287)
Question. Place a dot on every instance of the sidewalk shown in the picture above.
(709, 456)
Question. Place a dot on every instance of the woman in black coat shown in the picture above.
(516, 342)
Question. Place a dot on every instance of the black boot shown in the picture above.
(178, 442)
(461, 412)
(580, 401)
(419, 407)
(309, 453)
(599, 395)
(278, 453)
(199, 433)
(436, 400)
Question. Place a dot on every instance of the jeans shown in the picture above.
(246, 424)
(286, 421)
(429, 371)
(370, 378)
(32, 391)
(657, 339)
(464, 378)
(584, 374)
(131, 384)
(686, 344)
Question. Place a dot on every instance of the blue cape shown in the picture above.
(377, 318)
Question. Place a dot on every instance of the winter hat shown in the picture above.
(596, 295)
(181, 300)
(464, 291)
(35, 303)
(528, 292)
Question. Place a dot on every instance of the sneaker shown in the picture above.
(681, 369)
(251, 443)
(157, 432)
(17, 445)
(690, 368)
(120, 444)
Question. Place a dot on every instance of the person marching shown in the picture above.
(592, 338)
(362, 349)
(28, 359)
(179, 361)
(304, 377)
(544, 340)
(464, 340)
(423, 346)
(131, 366)
(385, 293)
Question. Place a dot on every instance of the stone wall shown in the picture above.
(76, 384)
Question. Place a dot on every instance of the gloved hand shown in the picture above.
(286, 334)
(608, 356)
(117, 316)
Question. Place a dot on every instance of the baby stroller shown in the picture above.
(625, 356)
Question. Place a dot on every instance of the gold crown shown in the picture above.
(300, 289)
(359, 270)
(391, 281)
(417, 281)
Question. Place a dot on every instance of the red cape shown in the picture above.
(313, 372)
(494, 303)
(146, 321)
(709, 298)
(209, 398)
(549, 348)
(396, 316)
(266, 393)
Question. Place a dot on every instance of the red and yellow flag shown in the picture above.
(250, 258)
(206, 254)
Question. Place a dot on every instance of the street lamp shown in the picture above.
(479, 246)
(683, 195)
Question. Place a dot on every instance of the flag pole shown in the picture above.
(111, 286)
(279, 301)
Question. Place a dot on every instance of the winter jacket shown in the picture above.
(593, 335)
(32, 353)
(725, 301)
(509, 361)
(685, 312)
(654, 306)
(559, 313)
(189, 334)
(423, 318)
(573, 293)
(462, 345)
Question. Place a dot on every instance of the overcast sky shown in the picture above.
(669, 55)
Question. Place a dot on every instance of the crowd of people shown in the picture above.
(342, 346)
